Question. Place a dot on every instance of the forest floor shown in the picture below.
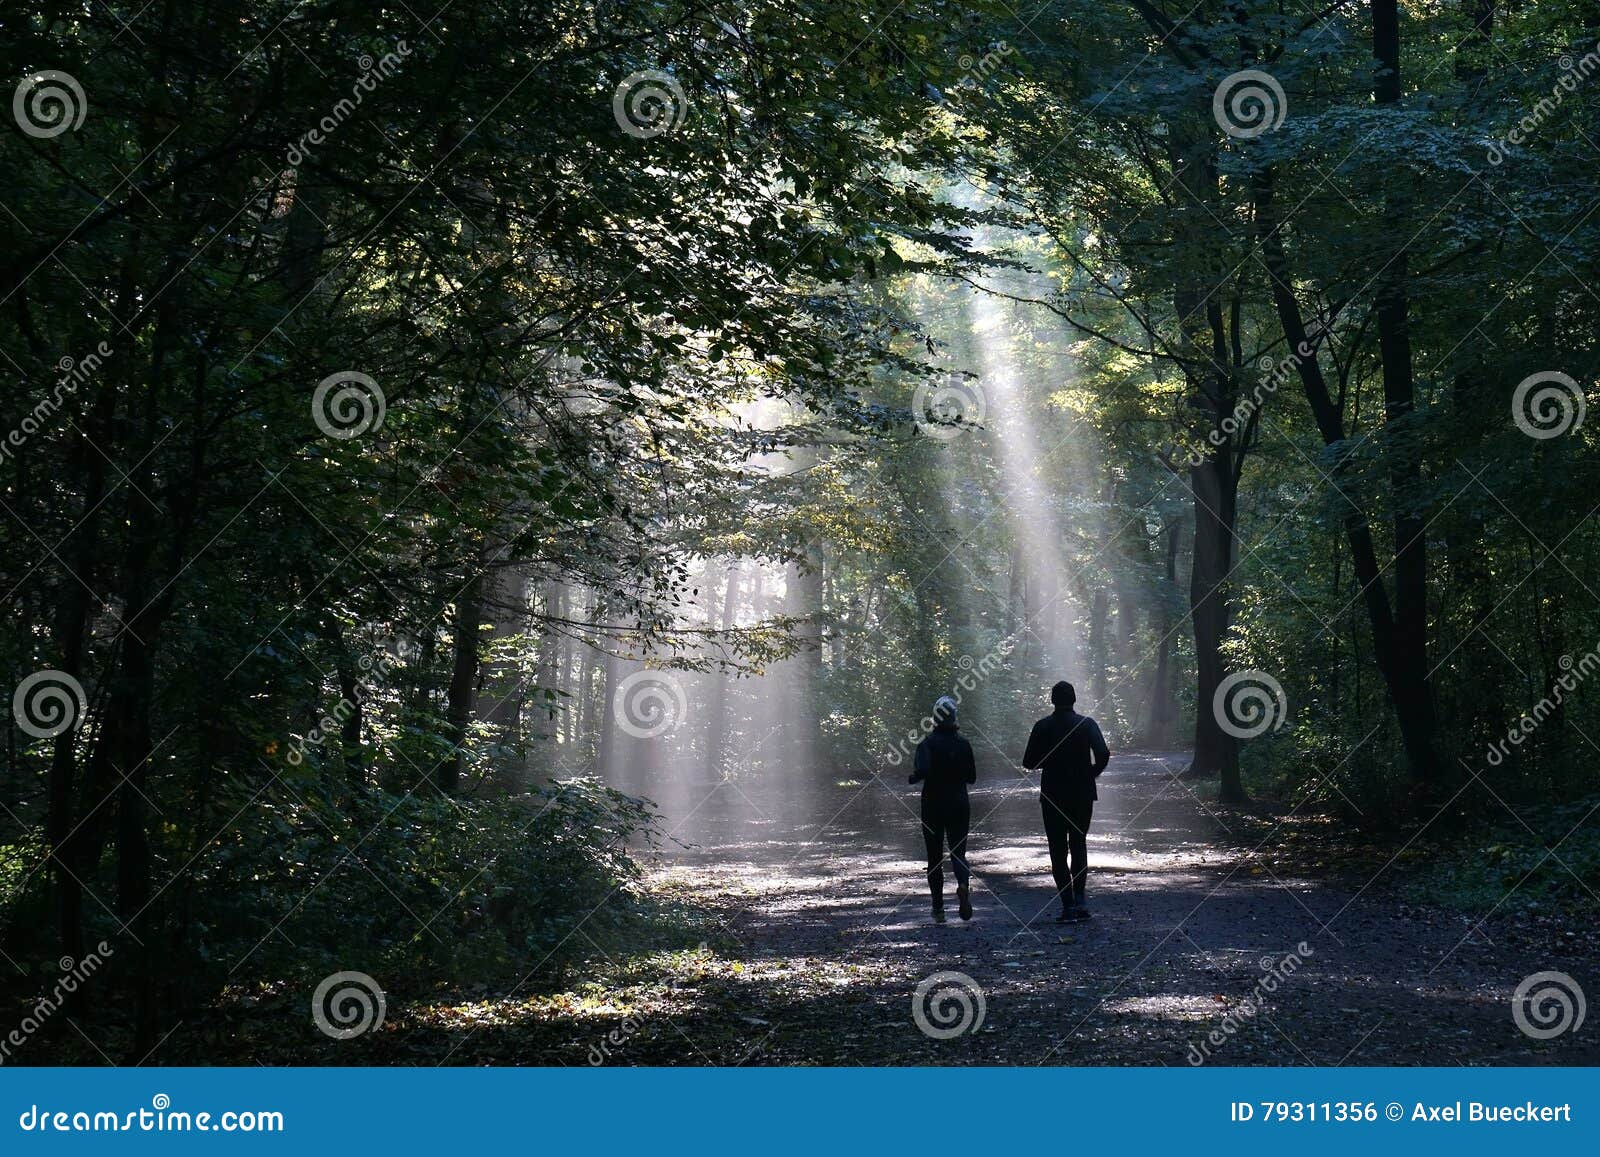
(1217, 937)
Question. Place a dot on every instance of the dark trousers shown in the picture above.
(1066, 826)
(945, 821)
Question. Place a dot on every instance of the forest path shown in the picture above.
(1186, 960)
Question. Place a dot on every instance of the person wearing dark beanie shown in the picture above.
(944, 766)
(1069, 752)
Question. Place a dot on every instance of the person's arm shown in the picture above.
(1034, 756)
(1097, 744)
(919, 762)
(968, 763)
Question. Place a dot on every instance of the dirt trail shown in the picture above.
(1194, 951)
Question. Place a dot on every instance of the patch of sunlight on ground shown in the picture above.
(1170, 1006)
(1032, 857)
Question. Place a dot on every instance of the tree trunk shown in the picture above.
(1214, 478)
(606, 755)
(463, 682)
(351, 691)
(1164, 710)
(1099, 611)
(1409, 649)
(723, 690)
(1409, 701)
(1216, 752)
(133, 744)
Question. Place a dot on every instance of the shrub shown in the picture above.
(430, 888)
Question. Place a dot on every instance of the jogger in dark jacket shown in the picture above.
(1070, 752)
(944, 766)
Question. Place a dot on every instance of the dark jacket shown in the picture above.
(943, 763)
(1070, 751)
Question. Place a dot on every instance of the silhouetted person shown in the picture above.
(1071, 752)
(944, 766)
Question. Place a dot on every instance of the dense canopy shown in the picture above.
(440, 449)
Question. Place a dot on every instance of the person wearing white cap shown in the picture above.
(944, 766)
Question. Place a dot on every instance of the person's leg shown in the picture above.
(933, 842)
(1057, 833)
(1081, 813)
(956, 826)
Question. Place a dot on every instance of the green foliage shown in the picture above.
(426, 890)
(1549, 863)
(310, 661)
(1160, 214)
(559, 321)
